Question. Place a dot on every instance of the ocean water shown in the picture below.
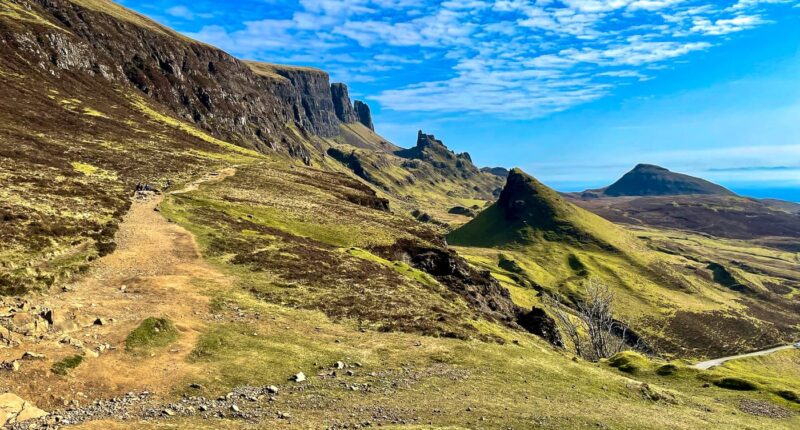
(788, 194)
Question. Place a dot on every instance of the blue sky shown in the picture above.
(574, 91)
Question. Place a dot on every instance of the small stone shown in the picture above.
(203, 408)
(168, 412)
(284, 415)
(195, 386)
(235, 408)
(10, 365)
(338, 365)
(32, 356)
(100, 321)
(300, 377)
(272, 389)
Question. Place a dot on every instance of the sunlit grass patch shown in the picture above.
(151, 333)
(90, 170)
(64, 366)
(93, 112)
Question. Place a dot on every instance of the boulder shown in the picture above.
(14, 409)
(32, 356)
(7, 339)
(28, 324)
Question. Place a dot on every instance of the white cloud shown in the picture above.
(519, 58)
(726, 26)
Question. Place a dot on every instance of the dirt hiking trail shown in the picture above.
(155, 271)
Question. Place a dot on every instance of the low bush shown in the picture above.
(737, 384)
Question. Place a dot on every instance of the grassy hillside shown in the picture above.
(670, 294)
(254, 266)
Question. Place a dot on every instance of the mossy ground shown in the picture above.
(151, 333)
(64, 366)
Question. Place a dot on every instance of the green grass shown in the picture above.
(629, 362)
(152, 333)
(64, 366)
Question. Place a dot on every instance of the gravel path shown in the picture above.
(720, 361)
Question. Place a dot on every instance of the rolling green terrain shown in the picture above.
(283, 239)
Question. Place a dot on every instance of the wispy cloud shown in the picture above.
(511, 58)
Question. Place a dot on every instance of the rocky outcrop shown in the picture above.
(478, 288)
(434, 151)
(352, 161)
(363, 114)
(197, 82)
(14, 410)
(341, 104)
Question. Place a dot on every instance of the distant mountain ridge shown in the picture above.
(652, 180)
(654, 196)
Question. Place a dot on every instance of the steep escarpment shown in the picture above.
(341, 103)
(364, 114)
(198, 83)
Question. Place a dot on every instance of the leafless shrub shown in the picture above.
(591, 325)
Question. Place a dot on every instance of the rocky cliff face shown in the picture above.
(197, 82)
(341, 103)
(364, 115)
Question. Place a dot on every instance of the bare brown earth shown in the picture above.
(156, 263)
(721, 216)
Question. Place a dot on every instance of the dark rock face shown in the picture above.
(352, 161)
(479, 289)
(196, 82)
(539, 323)
(341, 104)
(649, 180)
(363, 114)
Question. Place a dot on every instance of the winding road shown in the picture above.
(719, 361)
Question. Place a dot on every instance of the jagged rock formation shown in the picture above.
(341, 103)
(649, 180)
(244, 103)
(363, 114)
(433, 151)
